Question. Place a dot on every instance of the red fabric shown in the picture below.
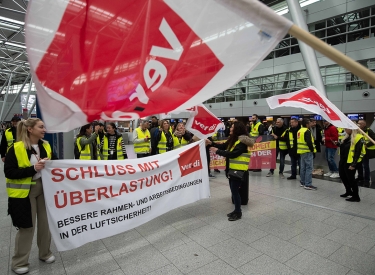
(331, 134)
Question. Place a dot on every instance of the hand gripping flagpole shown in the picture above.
(333, 54)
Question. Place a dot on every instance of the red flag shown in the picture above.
(202, 123)
(311, 100)
(119, 60)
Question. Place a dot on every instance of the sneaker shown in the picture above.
(311, 187)
(356, 199)
(236, 216)
(211, 176)
(21, 270)
(269, 174)
(291, 178)
(281, 175)
(50, 260)
(335, 176)
(230, 214)
(328, 174)
(217, 170)
(302, 185)
(345, 195)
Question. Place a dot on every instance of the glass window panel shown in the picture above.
(266, 94)
(253, 96)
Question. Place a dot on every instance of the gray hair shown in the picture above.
(279, 118)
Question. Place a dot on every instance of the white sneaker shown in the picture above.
(21, 270)
(328, 174)
(335, 176)
(50, 260)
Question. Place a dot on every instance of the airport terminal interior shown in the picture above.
(284, 229)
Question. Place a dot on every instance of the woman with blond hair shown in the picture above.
(351, 153)
(22, 168)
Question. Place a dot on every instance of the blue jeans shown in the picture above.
(306, 161)
(364, 165)
(234, 188)
(283, 153)
(330, 156)
(295, 160)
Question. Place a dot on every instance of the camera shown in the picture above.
(366, 94)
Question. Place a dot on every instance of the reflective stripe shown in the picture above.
(19, 186)
(358, 138)
(241, 162)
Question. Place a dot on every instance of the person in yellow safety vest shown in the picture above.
(26, 206)
(278, 132)
(142, 139)
(181, 137)
(370, 154)
(235, 150)
(352, 151)
(86, 142)
(306, 149)
(292, 146)
(112, 146)
(341, 132)
(9, 136)
(256, 129)
(165, 138)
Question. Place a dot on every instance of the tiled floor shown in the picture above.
(284, 230)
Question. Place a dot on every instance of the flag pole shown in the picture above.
(333, 54)
(366, 135)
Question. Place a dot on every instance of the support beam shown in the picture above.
(28, 93)
(308, 53)
(18, 95)
(32, 108)
(6, 96)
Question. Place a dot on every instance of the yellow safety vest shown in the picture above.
(302, 147)
(340, 131)
(291, 139)
(282, 144)
(98, 142)
(86, 152)
(162, 145)
(9, 137)
(358, 137)
(143, 147)
(372, 147)
(254, 129)
(177, 144)
(120, 154)
(241, 162)
(20, 188)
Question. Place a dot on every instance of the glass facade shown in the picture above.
(338, 30)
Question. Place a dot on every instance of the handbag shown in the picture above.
(236, 174)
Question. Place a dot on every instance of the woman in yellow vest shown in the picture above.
(181, 137)
(165, 138)
(23, 164)
(352, 151)
(235, 150)
(86, 142)
(112, 145)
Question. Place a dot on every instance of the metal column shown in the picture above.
(308, 53)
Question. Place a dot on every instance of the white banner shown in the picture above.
(91, 200)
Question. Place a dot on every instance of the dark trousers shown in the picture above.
(142, 155)
(295, 160)
(208, 159)
(283, 154)
(364, 166)
(235, 189)
(348, 178)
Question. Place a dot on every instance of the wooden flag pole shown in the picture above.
(366, 135)
(333, 54)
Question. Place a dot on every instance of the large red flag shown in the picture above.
(311, 100)
(119, 60)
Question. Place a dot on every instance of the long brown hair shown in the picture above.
(239, 129)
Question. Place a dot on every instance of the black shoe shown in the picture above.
(230, 214)
(356, 199)
(257, 170)
(217, 170)
(345, 195)
(291, 178)
(236, 216)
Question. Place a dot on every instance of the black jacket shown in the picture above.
(294, 131)
(308, 140)
(11, 169)
(344, 151)
(278, 131)
(239, 149)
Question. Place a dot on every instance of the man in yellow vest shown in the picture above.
(9, 137)
(306, 150)
(278, 132)
(256, 129)
(292, 147)
(364, 166)
(142, 139)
